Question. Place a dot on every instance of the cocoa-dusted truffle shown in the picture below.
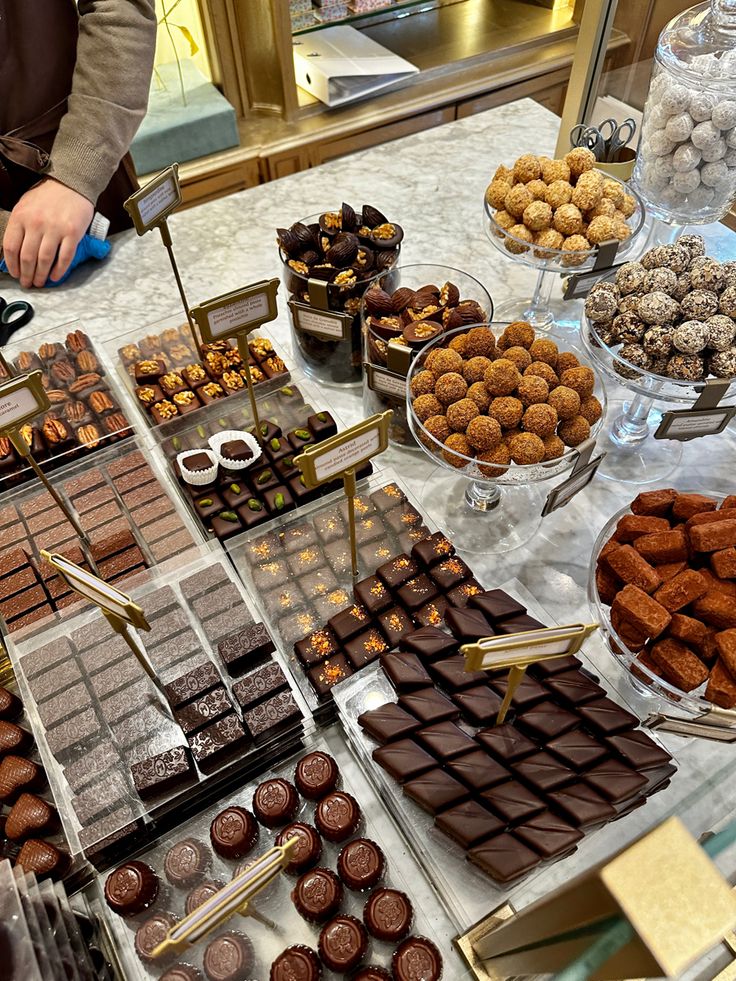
(542, 370)
(568, 220)
(544, 350)
(565, 401)
(532, 390)
(422, 383)
(553, 447)
(519, 356)
(474, 369)
(517, 334)
(581, 379)
(498, 460)
(574, 431)
(690, 337)
(539, 419)
(456, 444)
(507, 411)
(591, 409)
(450, 387)
(483, 433)
(442, 360)
(480, 395)
(461, 414)
(567, 359)
(480, 343)
(426, 406)
(689, 367)
(526, 448)
(438, 427)
(502, 377)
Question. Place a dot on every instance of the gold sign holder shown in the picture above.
(22, 398)
(517, 651)
(341, 456)
(117, 607)
(149, 208)
(233, 898)
(236, 314)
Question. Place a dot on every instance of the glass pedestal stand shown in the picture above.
(541, 311)
(633, 456)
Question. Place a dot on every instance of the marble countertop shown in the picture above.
(433, 184)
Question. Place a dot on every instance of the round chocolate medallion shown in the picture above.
(317, 895)
(361, 864)
(275, 802)
(316, 775)
(337, 816)
(228, 957)
(233, 832)
(343, 943)
(297, 963)
(388, 915)
(131, 888)
(417, 959)
(186, 862)
(307, 850)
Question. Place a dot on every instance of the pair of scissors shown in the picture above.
(604, 141)
(13, 316)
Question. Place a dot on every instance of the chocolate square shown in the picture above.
(245, 648)
(161, 772)
(324, 676)
(278, 713)
(203, 710)
(435, 791)
(191, 685)
(316, 647)
(259, 684)
(497, 605)
(395, 624)
(403, 759)
(365, 647)
(217, 741)
(468, 823)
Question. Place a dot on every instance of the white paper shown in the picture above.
(348, 455)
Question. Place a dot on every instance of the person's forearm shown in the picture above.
(117, 39)
(4, 217)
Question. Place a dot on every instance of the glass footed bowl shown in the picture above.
(559, 260)
(459, 492)
(641, 677)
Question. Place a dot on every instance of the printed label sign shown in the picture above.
(237, 312)
(561, 495)
(326, 324)
(386, 382)
(156, 201)
(520, 650)
(96, 590)
(21, 399)
(685, 424)
(347, 450)
(350, 454)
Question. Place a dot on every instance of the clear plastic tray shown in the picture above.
(402, 873)
(95, 712)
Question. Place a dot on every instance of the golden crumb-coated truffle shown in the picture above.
(565, 401)
(591, 409)
(545, 350)
(568, 220)
(475, 368)
(601, 230)
(604, 209)
(438, 427)
(546, 240)
(522, 233)
(441, 360)
(555, 170)
(450, 388)
(507, 410)
(422, 383)
(621, 230)
(459, 343)
(543, 371)
(496, 192)
(527, 168)
(558, 193)
(455, 444)
(479, 394)
(532, 390)
(504, 220)
(628, 207)
(426, 406)
(504, 173)
(537, 216)
(498, 460)
(517, 199)
(526, 448)
(574, 431)
(461, 414)
(481, 343)
(537, 189)
(588, 190)
(502, 377)
(581, 379)
(540, 419)
(577, 247)
(519, 333)
(483, 433)
(580, 159)
(519, 355)
(613, 191)
(553, 447)
(565, 360)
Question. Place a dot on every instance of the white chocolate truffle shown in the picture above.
(721, 332)
(686, 183)
(657, 117)
(705, 134)
(715, 174)
(702, 197)
(686, 157)
(724, 115)
(690, 337)
(701, 106)
(660, 144)
(679, 127)
(716, 151)
(675, 97)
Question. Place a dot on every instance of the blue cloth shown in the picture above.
(88, 248)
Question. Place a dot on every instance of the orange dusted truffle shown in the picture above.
(517, 334)
(537, 189)
(519, 355)
(543, 371)
(459, 343)
(502, 377)
(591, 409)
(422, 383)
(540, 419)
(565, 360)
(496, 192)
(461, 414)
(426, 406)
(479, 394)
(581, 379)
(565, 401)
(450, 388)
(555, 170)
(483, 433)
(481, 343)
(544, 350)
(507, 411)
(580, 159)
(537, 216)
(558, 193)
(527, 168)
(532, 390)
(519, 232)
(442, 360)
(438, 427)
(553, 447)
(526, 448)
(568, 220)
(475, 369)
(498, 460)
(574, 431)
(517, 199)
(455, 444)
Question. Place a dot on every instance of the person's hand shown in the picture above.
(49, 218)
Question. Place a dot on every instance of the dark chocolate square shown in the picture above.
(259, 684)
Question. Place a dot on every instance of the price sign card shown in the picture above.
(102, 594)
(385, 382)
(580, 476)
(328, 325)
(521, 650)
(21, 399)
(347, 451)
(154, 202)
(237, 312)
(706, 418)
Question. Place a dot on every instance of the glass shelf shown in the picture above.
(389, 10)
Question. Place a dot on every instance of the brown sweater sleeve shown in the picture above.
(117, 39)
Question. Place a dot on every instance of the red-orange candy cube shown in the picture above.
(723, 563)
(686, 505)
(721, 688)
(716, 608)
(714, 536)
(633, 526)
(682, 590)
(680, 666)
(629, 566)
(726, 647)
(641, 611)
(663, 546)
(654, 502)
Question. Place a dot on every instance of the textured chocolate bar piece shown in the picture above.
(272, 716)
(159, 773)
(192, 684)
(259, 684)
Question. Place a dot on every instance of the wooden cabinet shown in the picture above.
(350, 143)
(549, 90)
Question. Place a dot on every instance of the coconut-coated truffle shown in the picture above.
(520, 232)
(459, 343)
(581, 379)
(526, 448)
(442, 360)
(504, 173)
(545, 350)
(460, 414)
(591, 409)
(553, 447)
(480, 395)
(496, 193)
(422, 383)
(565, 360)
(723, 364)
(565, 401)
(721, 332)
(455, 444)
(483, 433)
(517, 200)
(555, 170)
(690, 367)
(537, 189)
(580, 159)
(517, 334)
(532, 390)
(587, 193)
(537, 216)
(438, 427)
(450, 388)
(475, 368)
(690, 337)
(568, 220)
(519, 355)
(576, 247)
(543, 370)
(540, 419)
(574, 431)
(502, 377)
(527, 168)
(604, 208)
(504, 220)
(559, 192)
(507, 410)
(426, 406)
(481, 343)
(497, 460)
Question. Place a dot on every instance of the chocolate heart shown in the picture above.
(30, 815)
(13, 739)
(10, 705)
(42, 858)
(17, 775)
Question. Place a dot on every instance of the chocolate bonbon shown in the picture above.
(186, 863)
(388, 915)
(342, 943)
(228, 957)
(275, 802)
(296, 962)
(233, 832)
(337, 816)
(316, 775)
(131, 888)
(417, 957)
(317, 895)
(308, 848)
(361, 864)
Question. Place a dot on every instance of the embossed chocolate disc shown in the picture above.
(131, 888)
(361, 864)
(337, 816)
(388, 915)
(417, 959)
(185, 862)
